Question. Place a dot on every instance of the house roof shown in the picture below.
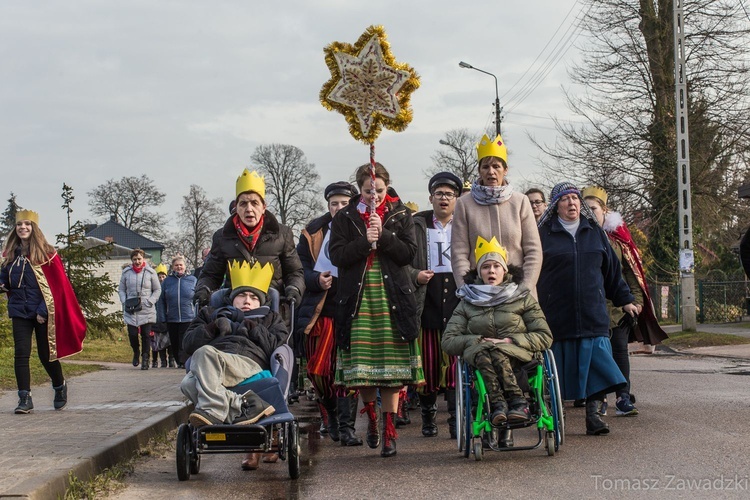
(114, 232)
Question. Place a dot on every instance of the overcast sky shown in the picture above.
(184, 91)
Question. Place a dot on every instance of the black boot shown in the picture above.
(389, 435)
(450, 397)
(333, 418)
(61, 396)
(595, 426)
(136, 348)
(144, 360)
(25, 405)
(347, 413)
(154, 360)
(402, 416)
(373, 430)
(428, 405)
(323, 430)
(505, 439)
(163, 357)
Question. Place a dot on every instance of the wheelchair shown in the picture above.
(277, 433)
(545, 408)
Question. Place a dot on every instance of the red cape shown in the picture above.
(67, 326)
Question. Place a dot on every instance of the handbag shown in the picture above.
(133, 305)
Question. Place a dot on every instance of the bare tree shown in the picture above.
(198, 218)
(292, 191)
(458, 155)
(627, 144)
(130, 200)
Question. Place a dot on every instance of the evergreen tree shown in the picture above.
(81, 261)
(8, 219)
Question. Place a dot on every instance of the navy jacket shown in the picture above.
(578, 275)
(177, 299)
(25, 299)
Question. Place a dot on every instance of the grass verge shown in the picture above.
(103, 350)
(112, 479)
(686, 340)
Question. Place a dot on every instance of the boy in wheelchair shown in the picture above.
(230, 344)
(495, 328)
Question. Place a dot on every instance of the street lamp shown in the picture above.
(466, 65)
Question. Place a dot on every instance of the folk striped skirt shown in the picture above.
(378, 356)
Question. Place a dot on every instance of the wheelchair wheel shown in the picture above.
(293, 449)
(183, 452)
(195, 459)
(478, 450)
(556, 401)
(550, 444)
(460, 431)
(468, 417)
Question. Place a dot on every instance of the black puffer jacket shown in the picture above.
(275, 245)
(255, 335)
(396, 248)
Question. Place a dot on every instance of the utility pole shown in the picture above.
(684, 203)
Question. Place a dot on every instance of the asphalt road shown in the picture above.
(690, 441)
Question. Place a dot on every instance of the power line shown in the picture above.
(742, 4)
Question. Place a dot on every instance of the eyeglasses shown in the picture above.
(536, 202)
(448, 195)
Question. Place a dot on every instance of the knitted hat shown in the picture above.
(558, 192)
(242, 289)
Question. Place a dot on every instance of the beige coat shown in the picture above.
(514, 225)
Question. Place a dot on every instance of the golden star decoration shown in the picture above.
(368, 86)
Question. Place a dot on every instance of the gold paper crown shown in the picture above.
(467, 186)
(161, 269)
(488, 147)
(257, 276)
(27, 215)
(596, 192)
(493, 246)
(251, 181)
(412, 206)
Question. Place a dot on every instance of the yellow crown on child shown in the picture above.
(161, 269)
(250, 181)
(488, 147)
(596, 192)
(27, 215)
(255, 276)
(484, 247)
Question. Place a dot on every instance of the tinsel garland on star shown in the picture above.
(368, 86)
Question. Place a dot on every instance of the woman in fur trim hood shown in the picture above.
(646, 329)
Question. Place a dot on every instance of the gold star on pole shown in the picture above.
(368, 86)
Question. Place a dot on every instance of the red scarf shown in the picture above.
(248, 236)
(138, 269)
(630, 253)
(381, 210)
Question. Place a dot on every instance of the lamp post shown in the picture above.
(498, 120)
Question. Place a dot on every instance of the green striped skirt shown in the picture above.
(378, 356)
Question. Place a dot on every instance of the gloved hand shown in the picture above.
(292, 294)
(201, 296)
(224, 326)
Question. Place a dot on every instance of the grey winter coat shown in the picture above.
(144, 284)
(521, 320)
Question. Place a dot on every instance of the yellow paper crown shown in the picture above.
(257, 276)
(596, 192)
(488, 147)
(412, 206)
(251, 181)
(493, 246)
(161, 269)
(27, 215)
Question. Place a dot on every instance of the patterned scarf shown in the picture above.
(618, 232)
(248, 236)
(490, 195)
(489, 295)
(558, 192)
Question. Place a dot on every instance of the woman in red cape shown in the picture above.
(41, 302)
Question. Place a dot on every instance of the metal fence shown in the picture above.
(722, 301)
(666, 298)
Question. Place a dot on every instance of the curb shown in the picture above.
(103, 456)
